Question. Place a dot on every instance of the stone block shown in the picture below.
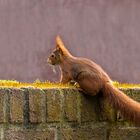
(29, 134)
(126, 133)
(16, 105)
(71, 104)
(54, 105)
(87, 108)
(36, 105)
(2, 92)
(86, 133)
(133, 93)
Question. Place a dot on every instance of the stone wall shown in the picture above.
(61, 114)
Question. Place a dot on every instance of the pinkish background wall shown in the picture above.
(107, 32)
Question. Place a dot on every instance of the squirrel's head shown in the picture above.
(59, 53)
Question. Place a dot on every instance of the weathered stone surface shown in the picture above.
(56, 113)
(105, 111)
(54, 105)
(133, 93)
(36, 106)
(29, 134)
(127, 133)
(87, 133)
(16, 105)
(87, 108)
(70, 104)
(2, 92)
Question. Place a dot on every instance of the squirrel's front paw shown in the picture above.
(74, 83)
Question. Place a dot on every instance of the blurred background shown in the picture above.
(106, 31)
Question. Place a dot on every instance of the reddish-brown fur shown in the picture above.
(92, 79)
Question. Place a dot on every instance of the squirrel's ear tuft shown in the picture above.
(59, 42)
(60, 46)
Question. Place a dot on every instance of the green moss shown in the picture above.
(47, 84)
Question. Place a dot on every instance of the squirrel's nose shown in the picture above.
(48, 61)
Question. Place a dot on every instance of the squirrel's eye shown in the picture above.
(52, 55)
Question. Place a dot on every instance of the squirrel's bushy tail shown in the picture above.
(129, 108)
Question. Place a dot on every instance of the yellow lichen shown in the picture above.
(126, 85)
(36, 84)
(47, 84)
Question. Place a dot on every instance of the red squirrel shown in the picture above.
(92, 79)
